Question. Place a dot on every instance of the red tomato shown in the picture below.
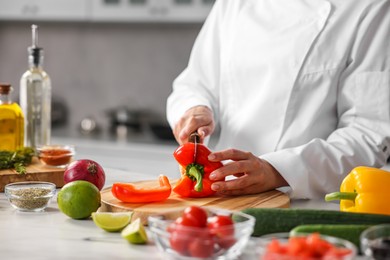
(192, 224)
(317, 245)
(188, 222)
(196, 214)
(309, 247)
(295, 246)
(179, 243)
(275, 247)
(202, 246)
(226, 242)
(223, 228)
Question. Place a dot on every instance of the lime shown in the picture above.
(112, 221)
(78, 199)
(135, 233)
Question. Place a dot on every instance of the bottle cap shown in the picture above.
(35, 55)
(5, 88)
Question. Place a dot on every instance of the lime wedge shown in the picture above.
(112, 221)
(135, 233)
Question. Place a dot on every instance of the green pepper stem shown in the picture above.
(196, 174)
(341, 196)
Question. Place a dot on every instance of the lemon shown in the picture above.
(112, 221)
(135, 233)
(78, 199)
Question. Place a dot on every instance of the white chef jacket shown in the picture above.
(303, 84)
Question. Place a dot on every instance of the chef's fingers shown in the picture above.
(230, 154)
(202, 127)
(238, 186)
(253, 189)
(205, 131)
(235, 167)
(199, 118)
(260, 177)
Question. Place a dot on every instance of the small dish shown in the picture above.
(282, 240)
(30, 195)
(175, 245)
(375, 242)
(56, 155)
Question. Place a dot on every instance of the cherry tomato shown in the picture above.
(179, 243)
(202, 246)
(226, 242)
(188, 222)
(221, 226)
(196, 214)
(191, 224)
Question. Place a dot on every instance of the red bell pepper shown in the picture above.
(195, 181)
(128, 192)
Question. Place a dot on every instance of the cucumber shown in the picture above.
(345, 231)
(274, 220)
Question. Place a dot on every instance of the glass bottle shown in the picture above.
(35, 97)
(11, 121)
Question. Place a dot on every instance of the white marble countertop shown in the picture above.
(52, 235)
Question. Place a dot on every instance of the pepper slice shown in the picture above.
(194, 182)
(128, 192)
(364, 190)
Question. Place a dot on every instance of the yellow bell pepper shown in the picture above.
(364, 190)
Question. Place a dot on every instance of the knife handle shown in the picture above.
(194, 138)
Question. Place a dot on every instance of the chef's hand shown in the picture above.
(200, 119)
(254, 175)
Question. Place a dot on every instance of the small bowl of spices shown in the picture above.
(30, 195)
(56, 155)
(375, 242)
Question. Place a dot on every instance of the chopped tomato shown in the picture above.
(302, 248)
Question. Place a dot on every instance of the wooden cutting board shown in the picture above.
(270, 199)
(36, 171)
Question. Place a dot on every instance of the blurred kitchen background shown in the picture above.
(111, 62)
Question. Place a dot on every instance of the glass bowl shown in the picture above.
(56, 155)
(375, 241)
(30, 195)
(264, 242)
(179, 243)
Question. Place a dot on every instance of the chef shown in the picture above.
(299, 89)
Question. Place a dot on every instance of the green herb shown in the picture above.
(17, 160)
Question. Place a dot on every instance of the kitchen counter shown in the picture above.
(52, 235)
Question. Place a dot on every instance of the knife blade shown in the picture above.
(194, 138)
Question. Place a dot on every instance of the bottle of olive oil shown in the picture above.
(35, 97)
(11, 121)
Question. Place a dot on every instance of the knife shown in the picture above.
(194, 138)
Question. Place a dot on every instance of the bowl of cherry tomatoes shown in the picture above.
(201, 232)
(306, 246)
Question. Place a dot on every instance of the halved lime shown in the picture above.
(112, 221)
(135, 233)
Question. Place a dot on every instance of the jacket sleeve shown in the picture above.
(198, 83)
(363, 107)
